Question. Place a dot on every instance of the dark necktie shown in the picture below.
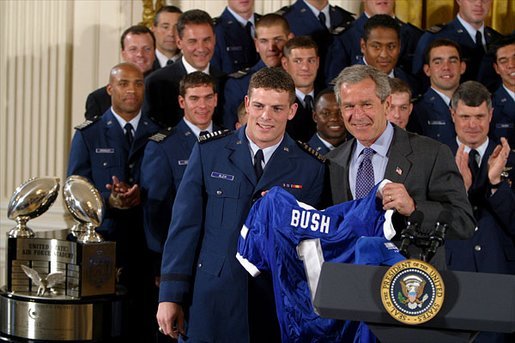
(479, 42)
(308, 103)
(258, 163)
(321, 18)
(473, 165)
(170, 61)
(128, 133)
(365, 177)
(248, 28)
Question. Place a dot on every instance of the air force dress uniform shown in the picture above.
(503, 121)
(212, 203)
(235, 49)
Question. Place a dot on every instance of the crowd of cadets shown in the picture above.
(312, 41)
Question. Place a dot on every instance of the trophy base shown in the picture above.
(28, 318)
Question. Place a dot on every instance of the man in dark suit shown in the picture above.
(165, 31)
(319, 20)
(431, 115)
(196, 39)
(108, 151)
(423, 172)
(205, 293)
(235, 31)
(300, 60)
(331, 130)
(483, 165)
(503, 121)
(469, 31)
(272, 33)
(137, 46)
(346, 47)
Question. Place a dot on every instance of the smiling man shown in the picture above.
(423, 172)
(204, 289)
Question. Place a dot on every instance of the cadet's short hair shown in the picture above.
(137, 30)
(358, 73)
(438, 43)
(273, 19)
(399, 86)
(196, 79)
(274, 79)
(501, 43)
(383, 21)
(299, 42)
(473, 94)
(194, 17)
(165, 9)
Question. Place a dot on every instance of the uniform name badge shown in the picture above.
(412, 291)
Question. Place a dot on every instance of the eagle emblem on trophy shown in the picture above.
(45, 283)
(412, 289)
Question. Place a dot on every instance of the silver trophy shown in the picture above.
(30, 200)
(86, 205)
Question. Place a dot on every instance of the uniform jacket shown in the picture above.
(162, 90)
(427, 170)
(234, 93)
(457, 33)
(97, 103)
(346, 48)
(431, 117)
(503, 121)
(212, 203)
(235, 49)
(317, 144)
(492, 248)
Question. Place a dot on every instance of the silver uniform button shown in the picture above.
(200, 265)
(477, 248)
(219, 192)
(104, 164)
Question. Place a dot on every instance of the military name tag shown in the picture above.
(104, 150)
(412, 291)
(436, 122)
(182, 162)
(218, 175)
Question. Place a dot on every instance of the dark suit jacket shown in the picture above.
(302, 126)
(162, 89)
(428, 171)
(97, 103)
(503, 121)
(211, 206)
(492, 248)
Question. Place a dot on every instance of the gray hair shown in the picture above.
(358, 73)
(473, 94)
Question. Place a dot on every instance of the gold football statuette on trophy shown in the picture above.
(30, 200)
(86, 205)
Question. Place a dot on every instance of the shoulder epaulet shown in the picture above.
(216, 20)
(414, 27)
(239, 74)
(213, 135)
(341, 28)
(87, 123)
(345, 11)
(435, 28)
(283, 10)
(311, 151)
(161, 135)
(416, 99)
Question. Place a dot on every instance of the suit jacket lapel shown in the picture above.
(398, 165)
(240, 155)
(114, 133)
(144, 130)
(278, 165)
(339, 175)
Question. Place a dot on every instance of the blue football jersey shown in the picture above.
(291, 240)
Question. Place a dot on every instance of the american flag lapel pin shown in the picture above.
(398, 170)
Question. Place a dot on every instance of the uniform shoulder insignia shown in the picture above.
(343, 10)
(417, 98)
(216, 20)
(311, 151)
(436, 28)
(87, 123)
(214, 135)
(239, 74)
(341, 28)
(161, 135)
(283, 10)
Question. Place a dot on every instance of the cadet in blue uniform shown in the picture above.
(205, 293)
(482, 163)
(346, 47)
(503, 121)
(331, 130)
(319, 20)
(272, 33)
(234, 29)
(166, 157)
(463, 30)
(431, 114)
(108, 152)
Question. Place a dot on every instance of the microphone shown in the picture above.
(438, 236)
(408, 234)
